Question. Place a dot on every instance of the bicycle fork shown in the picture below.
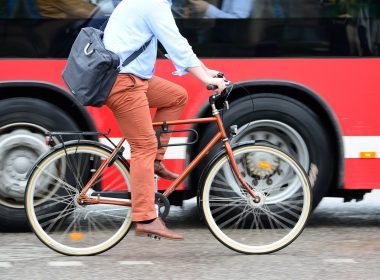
(236, 171)
(230, 154)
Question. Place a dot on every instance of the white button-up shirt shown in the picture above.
(133, 22)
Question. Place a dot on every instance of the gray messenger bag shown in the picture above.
(91, 69)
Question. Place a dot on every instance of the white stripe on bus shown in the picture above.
(177, 152)
(353, 145)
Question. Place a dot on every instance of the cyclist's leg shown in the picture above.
(170, 100)
(129, 104)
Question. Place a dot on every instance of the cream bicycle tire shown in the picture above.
(223, 201)
(39, 185)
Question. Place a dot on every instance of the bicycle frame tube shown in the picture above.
(83, 197)
(220, 136)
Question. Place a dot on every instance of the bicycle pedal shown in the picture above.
(154, 237)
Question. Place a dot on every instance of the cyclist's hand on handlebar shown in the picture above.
(219, 84)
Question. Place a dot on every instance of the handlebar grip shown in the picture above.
(211, 87)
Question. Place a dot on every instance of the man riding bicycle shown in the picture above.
(132, 23)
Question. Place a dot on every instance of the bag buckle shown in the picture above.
(86, 52)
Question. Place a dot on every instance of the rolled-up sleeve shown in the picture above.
(163, 26)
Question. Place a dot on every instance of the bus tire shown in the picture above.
(289, 125)
(23, 123)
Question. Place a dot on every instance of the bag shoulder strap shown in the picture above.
(136, 53)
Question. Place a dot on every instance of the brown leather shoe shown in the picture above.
(161, 171)
(157, 228)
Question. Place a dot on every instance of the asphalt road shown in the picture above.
(342, 241)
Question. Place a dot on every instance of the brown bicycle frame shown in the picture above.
(220, 136)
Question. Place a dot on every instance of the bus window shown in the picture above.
(285, 28)
(274, 28)
(62, 9)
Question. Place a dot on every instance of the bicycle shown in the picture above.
(254, 198)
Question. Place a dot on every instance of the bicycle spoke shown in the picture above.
(59, 180)
(295, 205)
(65, 233)
(243, 214)
(55, 219)
(278, 218)
(251, 226)
(225, 213)
(111, 185)
(65, 224)
(67, 201)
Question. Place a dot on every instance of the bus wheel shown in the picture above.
(292, 127)
(23, 123)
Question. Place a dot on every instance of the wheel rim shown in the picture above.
(76, 229)
(284, 137)
(250, 227)
(20, 146)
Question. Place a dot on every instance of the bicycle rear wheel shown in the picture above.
(65, 225)
(239, 222)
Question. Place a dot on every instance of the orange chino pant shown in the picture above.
(130, 100)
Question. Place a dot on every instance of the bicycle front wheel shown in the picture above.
(53, 210)
(243, 224)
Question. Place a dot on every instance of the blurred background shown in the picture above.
(310, 68)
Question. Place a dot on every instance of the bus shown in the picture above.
(305, 74)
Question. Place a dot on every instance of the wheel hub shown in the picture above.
(258, 202)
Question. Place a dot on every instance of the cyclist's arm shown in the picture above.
(160, 21)
(200, 73)
(210, 72)
(162, 24)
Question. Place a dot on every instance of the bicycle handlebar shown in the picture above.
(220, 98)
(224, 94)
(211, 87)
(221, 76)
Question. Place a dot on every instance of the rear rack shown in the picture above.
(59, 134)
(80, 133)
